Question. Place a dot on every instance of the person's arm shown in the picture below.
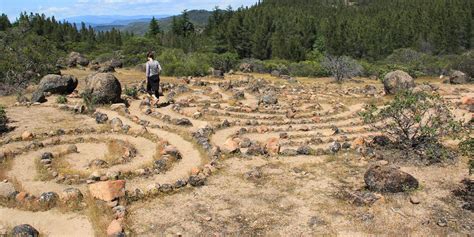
(159, 67)
(147, 70)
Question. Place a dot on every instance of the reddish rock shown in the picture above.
(115, 228)
(21, 196)
(467, 100)
(273, 146)
(26, 136)
(262, 129)
(358, 142)
(231, 146)
(195, 171)
(316, 119)
(108, 190)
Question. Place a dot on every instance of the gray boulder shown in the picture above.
(38, 97)
(104, 88)
(57, 84)
(389, 179)
(396, 81)
(75, 58)
(24, 230)
(6, 189)
(458, 77)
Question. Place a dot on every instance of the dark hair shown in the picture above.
(151, 55)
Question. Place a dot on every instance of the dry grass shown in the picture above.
(116, 151)
(99, 214)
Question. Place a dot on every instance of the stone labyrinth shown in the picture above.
(136, 151)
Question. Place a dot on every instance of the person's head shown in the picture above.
(150, 55)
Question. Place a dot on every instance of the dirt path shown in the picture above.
(51, 223)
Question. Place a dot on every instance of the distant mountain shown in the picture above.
(139, 26)
(111, 19)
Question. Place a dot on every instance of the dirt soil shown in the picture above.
(246, 195)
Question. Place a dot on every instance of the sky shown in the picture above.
(68, 8)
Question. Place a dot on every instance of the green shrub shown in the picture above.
(224, 62)
(276, 64)
(307, 69)
(61, 99)
(3, 120)
(89, 101)
(131, 91)
(415, 121)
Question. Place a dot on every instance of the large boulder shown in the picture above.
(389, 179)
(458, 77)
(57, 84)
(115, 63)
(104, 87)
(396, 81)
(75, 58)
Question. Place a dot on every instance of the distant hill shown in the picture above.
(111, 19)
(140, 26)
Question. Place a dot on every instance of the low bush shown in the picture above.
(131, 91)
(61, 99)
(415, 121)
(3, 120)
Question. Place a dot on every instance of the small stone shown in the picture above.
(442, 222)
(26, 136)
(108, 190)
(414, 200)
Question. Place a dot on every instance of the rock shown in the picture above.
(335, 147)
(358, 142)
(458, 77)
(118, 107)
(116, 63)
(467, 100)
(75, 59)
(269, 99)
(414, 200)
(72, 195)
(6, 189)
(38, 97)
(183, 122)
(104, 88)
(304, 150)
(172, 151)
(283, 135)
(48, 199)
(24, 230)
(101, 118)
(115, 228)
(58, 84)
(230, 146)
(27, 136)
(273, 146)
(116, 124)
(106, 69)
(218, 73)
(239, 95)
(381, 140)
(364, 198)
(255, 150)
(396, 81)
(107, 190)
(71, 149)
(389, 179)
(196, 180)
(98, 164)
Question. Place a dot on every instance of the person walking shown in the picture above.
(153, 70)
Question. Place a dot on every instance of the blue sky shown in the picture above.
(68, 8)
